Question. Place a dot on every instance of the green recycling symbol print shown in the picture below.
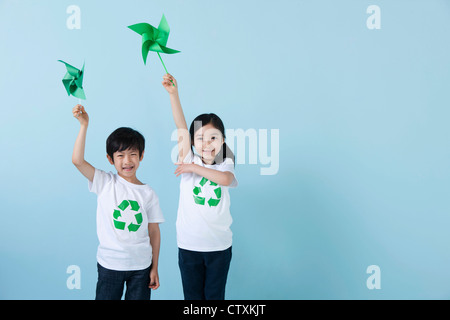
(120, 215)
(200, 195)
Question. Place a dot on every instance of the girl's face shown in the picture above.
(207, 142)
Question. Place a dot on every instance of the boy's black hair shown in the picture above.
(124, 138)
(216, 122)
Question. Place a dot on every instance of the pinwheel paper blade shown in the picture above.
(73, 81)
(153, 39)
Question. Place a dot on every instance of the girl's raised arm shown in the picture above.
(184, 140)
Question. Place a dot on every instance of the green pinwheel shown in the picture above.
(154, 39)
(73, 81)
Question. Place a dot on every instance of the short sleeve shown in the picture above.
(189, 157)
(154, 213)
(228, 165)
(101, 178)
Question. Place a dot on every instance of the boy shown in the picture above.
(128, 215)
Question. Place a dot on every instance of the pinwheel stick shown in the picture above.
(164, 66)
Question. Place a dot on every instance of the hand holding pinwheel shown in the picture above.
(154, 39)
(73, 81)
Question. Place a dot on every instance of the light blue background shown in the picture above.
(363, 120)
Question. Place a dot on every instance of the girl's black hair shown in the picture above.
(124, 138)
(216, 122)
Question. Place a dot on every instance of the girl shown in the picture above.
(203, 222)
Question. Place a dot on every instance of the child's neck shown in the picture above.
(208, 162)
(132, 179)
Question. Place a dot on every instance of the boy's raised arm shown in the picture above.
(184, 140)
(78, 150)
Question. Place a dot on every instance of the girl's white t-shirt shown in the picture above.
(204, 219)
(124, 210)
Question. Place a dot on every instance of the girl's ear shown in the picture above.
(142, 156)
(110, 159)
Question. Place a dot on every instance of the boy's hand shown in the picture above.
(81, 114)
(154, 279)
(170, 84)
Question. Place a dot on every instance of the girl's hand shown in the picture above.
(184, 168)
(170, 84)
(81, 114)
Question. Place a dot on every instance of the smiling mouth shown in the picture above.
(128, 168)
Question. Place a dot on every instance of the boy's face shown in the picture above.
(207, 142)
(126, 162)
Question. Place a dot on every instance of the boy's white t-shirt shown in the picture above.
(204, 219)
(124, 210)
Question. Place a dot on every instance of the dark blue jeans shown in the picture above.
(204, 274)
(110, 284)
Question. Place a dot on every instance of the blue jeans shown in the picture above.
(204, 274)
(110, 284)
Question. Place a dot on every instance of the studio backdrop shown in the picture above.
(337, 112)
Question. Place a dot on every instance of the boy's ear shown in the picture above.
(142, 155)
(110, 159)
